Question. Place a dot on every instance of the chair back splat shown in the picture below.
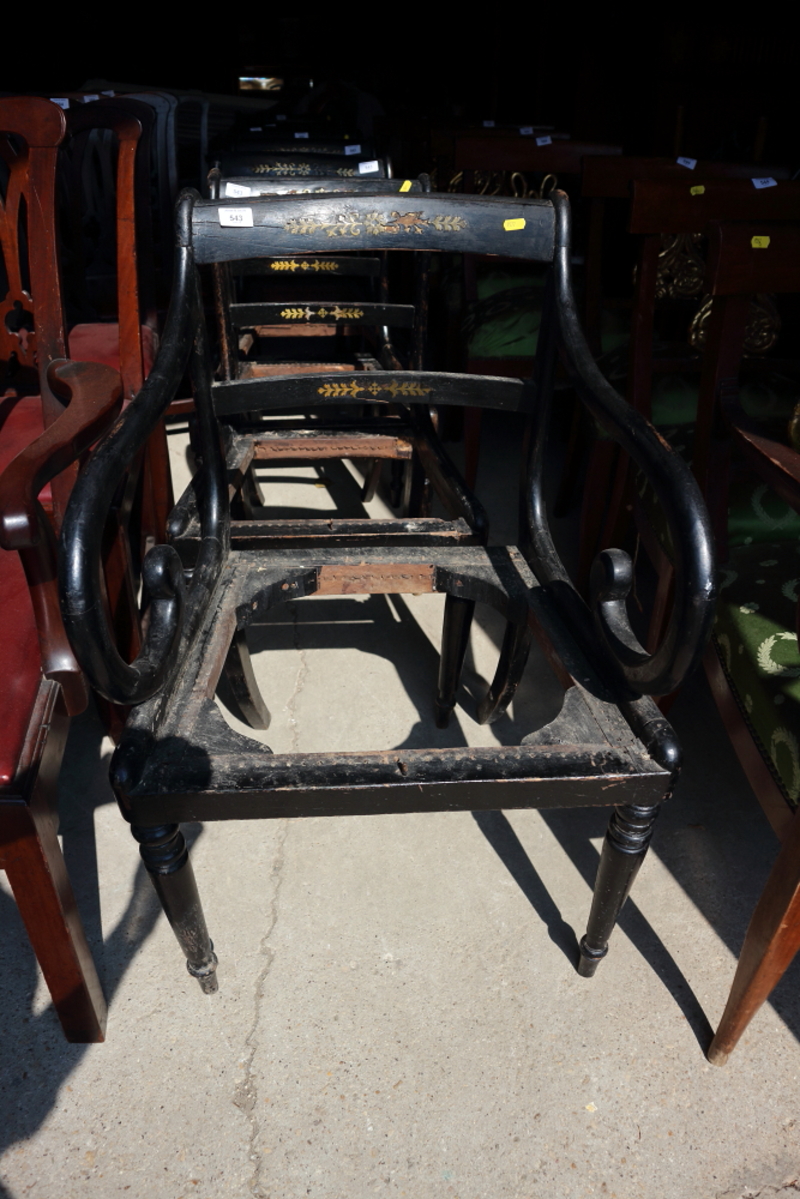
(179, 760)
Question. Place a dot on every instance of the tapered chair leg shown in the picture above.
(624, 849)
(166, 857)
(373, 475)
(510, 668)
(457, 622)
(31, 856)
(242, 682)
(770, 943)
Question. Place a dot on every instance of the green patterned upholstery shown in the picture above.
(756, 641)
(755, 512)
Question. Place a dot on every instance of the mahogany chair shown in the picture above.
(127, 339)
(44, 686)
(754, 664)
(678, 209)
(672, 263)
(178, 759)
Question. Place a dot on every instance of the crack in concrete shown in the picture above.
(299, 681)
(245, 1095)
(789, 1187)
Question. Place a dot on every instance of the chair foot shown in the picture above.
(206, 973)
(624, 849)
(166, 857)
(717, 1057)
(590, 959)
(770, 944)
(443, 714)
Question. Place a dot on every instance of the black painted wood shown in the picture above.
(178, 759)
(373, 387)
(234, 188)
(298, 224)
(294, 164)
(297, 265)
(312, 312)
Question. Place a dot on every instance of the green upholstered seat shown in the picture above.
(756, 639)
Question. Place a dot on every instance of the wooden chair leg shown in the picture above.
(239, 675)
(624, 849)
(457, 622)
(31, 857)
(166, 857)
(770, 943)
(374, 468)
(510, 668)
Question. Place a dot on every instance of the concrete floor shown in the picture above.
(399, 1011)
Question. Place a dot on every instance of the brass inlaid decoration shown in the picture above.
(290, 264)
(353, 389)
(282, 168)
(761, 331)
(680, 267)
(350, 224)
(337, 313)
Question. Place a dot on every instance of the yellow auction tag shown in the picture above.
(699, 190)
(406, 186)
(516, 223)
(759, 243)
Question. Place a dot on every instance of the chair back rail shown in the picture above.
(669, 206)
(235, 187)
(296, 165)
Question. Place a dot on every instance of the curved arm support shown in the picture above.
(690, 625)
(95, 396)
(83, 607)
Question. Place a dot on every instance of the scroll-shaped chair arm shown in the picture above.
(693, 609)
(95, 395)
(83, 609)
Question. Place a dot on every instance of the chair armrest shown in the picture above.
(778, 464)
(95, 396)
(692, 614)
(80, 561)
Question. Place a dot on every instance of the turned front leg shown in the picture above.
(624, 849)
(166, 857)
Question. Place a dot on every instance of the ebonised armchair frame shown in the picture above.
(178, 760)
